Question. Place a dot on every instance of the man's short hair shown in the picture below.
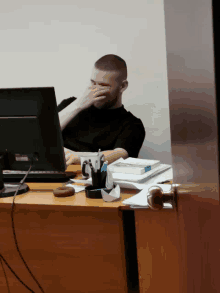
(112, 63)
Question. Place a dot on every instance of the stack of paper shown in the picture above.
(134, 166)
(138, 178)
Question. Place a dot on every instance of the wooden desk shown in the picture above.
(158, 249)
(170, 245)
(71, 244)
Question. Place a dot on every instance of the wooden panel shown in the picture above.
(158, 251)
(192, 43)
(180, 251)
(192, 91)
(199, 218)
(67, 251)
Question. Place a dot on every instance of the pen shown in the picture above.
(167, 181)
(102, 159)
(96, 166)
(104, 167)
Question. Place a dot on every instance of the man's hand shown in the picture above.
(71, 157)
(92, 94)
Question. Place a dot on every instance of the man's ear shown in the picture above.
(124, 85)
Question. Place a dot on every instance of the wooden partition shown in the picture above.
(179, 251)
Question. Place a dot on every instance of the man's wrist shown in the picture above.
(79, 106)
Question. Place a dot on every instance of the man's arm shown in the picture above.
(91, 95)
(67, 114)
(110, 156)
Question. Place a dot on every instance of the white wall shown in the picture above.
(55, 43)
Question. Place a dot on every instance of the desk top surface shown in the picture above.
(42, 194)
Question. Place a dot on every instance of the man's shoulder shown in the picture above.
(132, 118)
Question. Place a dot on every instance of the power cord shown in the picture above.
(16, 242)
(5, 274)
(13, 272)
(13, 228)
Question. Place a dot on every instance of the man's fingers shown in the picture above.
(70, 159)
(100, 98)
(100, 89)
(101, 93)
(67, 156)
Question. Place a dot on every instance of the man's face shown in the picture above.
(106, 78)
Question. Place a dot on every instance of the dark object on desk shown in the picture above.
(30, 134)
(8, 190)
(95, 192)
(99, 179)
(165, 182)
(98, 183)
(39, 176)
(64, 191)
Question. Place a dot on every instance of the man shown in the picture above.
(98, 120)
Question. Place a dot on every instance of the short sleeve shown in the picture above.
(131, 138)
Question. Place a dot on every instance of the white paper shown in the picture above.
(83, 181)
(131, 160)
(139, 199)
(130, 185)
(166, 205)
(109, 179)
(167, 175)
(76, 187)
(113, 195)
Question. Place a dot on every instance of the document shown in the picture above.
(76, 187)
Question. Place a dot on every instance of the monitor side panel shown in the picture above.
(50, 130)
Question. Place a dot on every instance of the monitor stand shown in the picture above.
(9, 189)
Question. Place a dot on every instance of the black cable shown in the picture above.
(3, 259)
(5, 274)
(13, 228)
(13, 272)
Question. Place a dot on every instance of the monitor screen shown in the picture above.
(29, 125)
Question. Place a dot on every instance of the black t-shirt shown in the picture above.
(106, 129)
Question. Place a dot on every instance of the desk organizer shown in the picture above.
(95, 192)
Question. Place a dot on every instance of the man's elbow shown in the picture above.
(123, 153)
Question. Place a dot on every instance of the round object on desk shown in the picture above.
(64, 191)
(155, 199)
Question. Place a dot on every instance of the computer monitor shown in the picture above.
(30, 127)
